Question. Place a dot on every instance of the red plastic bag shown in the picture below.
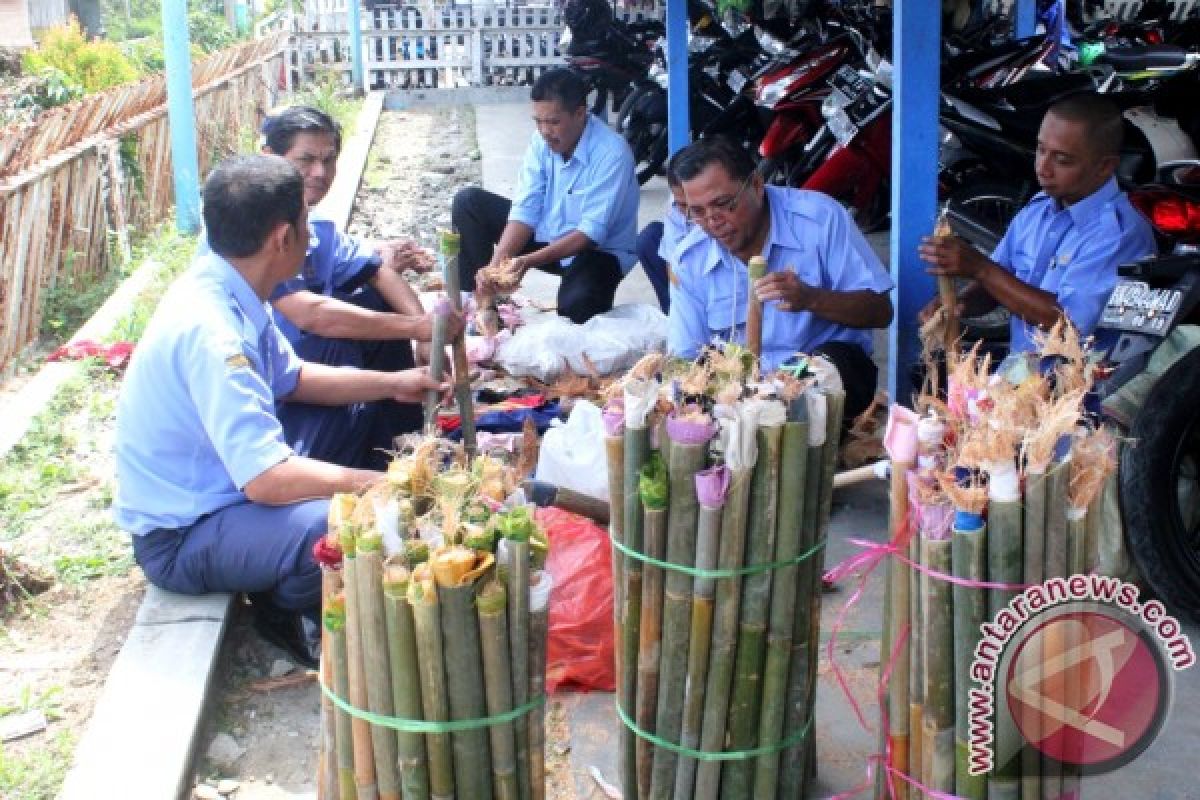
(580, 650)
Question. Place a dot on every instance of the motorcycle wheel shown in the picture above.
(647, 138)
(1160, 487)
(989, 207)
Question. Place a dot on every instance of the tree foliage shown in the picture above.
(94, 65)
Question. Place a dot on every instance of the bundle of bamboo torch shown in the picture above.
(998, 483)
(435, 610)
(720, 488)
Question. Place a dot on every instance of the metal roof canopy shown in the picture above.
(916, 32)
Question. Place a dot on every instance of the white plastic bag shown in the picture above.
(572, 454)
(613, 342)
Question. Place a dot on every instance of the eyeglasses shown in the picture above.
(721, 206)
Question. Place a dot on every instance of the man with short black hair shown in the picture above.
(349, 306)
(575, 210)
(1060, 255)
(216, 499)
(824, 288)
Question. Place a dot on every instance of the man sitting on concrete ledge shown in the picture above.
(575, 210)
(349, 306)
(215, 498)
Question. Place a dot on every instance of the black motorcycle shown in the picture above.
(1154, 312)
(611, 55)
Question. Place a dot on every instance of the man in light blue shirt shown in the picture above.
(349, 306)
(1060, 255)
(216, 499)
(575, 209)
(658, 241)
(824, 290)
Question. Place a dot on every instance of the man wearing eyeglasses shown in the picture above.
(824, 290)
(575, 210)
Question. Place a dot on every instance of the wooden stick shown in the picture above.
(462, 372)
(437, 369)
(756, 269)
(949, 297)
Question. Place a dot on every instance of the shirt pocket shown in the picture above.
(1024, 264)
(572, 207)
(723, 311)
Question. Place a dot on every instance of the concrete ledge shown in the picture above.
(143, 727)
(339, 203)
(400, 99)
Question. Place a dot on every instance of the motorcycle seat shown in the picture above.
(1138, 57)
(1040, 93)
(1171, 267)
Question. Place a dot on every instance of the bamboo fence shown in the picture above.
(82, 173)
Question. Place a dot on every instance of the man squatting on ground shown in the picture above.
(349, 306)
(824, 288)
(216, 499)
(575, 209)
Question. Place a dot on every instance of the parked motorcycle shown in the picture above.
(1154, 310)
(611, 55)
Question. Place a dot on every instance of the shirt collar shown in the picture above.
(583, 148)
(1089, 206)
(232, 281)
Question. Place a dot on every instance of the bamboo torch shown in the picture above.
(947, 293)
(757, 268)
(437, 363)
(462, 375)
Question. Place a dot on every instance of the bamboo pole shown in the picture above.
(464, 688)
(422, 597)
(1005, 559)
(782, 617)
(938, 637)
(711, 487)
(334, 619)
(736, 776)
(373, 631)
(756, 268)
(327, 764)
(806, 752)
(898, 597)
(517, 589)
(688, 456)
(406, 686)
(449, 245)
(639, 399)
(1058, 479)
(364, 757)
(1075, 676)
(491, 604)
(654, 491)
(969, 554)
(719, 681)
(1034, 572)
(948, 295)
(540, 586)
(437, 364)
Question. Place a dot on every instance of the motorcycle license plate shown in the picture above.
(736, 81)
(841, 127)
(1135, 306)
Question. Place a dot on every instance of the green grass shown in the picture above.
(37, 773)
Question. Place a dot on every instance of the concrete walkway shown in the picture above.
(1164, 772)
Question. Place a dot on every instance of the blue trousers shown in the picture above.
(653, 264)
(245, 547)
(360, 434)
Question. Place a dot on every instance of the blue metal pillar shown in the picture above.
(917, 44)
(241, 13)
(181, 115)
(678, 125)
(1025, 16)
(357, 71)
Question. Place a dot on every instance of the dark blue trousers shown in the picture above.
(357, 435)
(653, 264)
(243, 548)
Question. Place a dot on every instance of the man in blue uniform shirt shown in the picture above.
(349, 306)
(575, 210)
(1060, 255)
(657, 242)
(216, 499)
(824, 289)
